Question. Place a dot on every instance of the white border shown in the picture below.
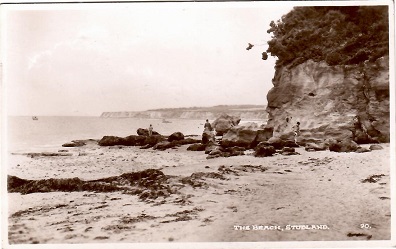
(232, 245)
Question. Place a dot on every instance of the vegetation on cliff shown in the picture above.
(339, 35)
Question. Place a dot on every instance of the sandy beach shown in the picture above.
(313, 196)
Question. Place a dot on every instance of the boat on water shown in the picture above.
(35, 118)
(166, 121)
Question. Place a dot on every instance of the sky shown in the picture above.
(74, 60)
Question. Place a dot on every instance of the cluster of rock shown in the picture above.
(235, 140)
(79, 143)
(155, 141)
(224, 123)
(347, 145)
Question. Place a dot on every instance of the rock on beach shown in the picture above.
(223, 123)
(264, 150)
(345, 145)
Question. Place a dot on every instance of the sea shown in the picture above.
(27, 135)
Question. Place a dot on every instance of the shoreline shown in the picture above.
(209, 197)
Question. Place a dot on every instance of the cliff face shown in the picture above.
(331, 101)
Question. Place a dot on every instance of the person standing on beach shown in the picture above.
(150, 130)
(208, 135)
(296, 130)
(208, 126)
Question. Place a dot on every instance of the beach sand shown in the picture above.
(244, 199)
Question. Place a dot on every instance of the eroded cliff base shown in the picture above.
(332, 102)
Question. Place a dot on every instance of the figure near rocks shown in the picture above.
(208, 134)
(208, 126)
(296, 130)
(150, 130)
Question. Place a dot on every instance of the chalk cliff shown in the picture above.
(245, 113)
(331, 101)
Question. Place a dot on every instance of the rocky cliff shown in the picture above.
(245, 113)
(332, 101)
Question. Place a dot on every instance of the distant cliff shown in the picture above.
(245, 112)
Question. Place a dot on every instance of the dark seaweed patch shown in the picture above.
(373, 178)
(149, 183)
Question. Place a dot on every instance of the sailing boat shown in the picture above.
(34, 118)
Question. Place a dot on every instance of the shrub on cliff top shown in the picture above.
(339, 35)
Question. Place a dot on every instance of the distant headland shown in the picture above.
(245, 112)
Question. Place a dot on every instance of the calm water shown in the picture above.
(46, 132)
(25, 133)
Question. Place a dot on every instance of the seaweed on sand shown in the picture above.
(140, 183)
(373, 178)
(23, 186)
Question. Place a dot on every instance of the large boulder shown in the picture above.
(134, 140)
(163, 145)
(176, 136)
(362, 150)
(187, 141)
(223, 123)
(360, 137)
(288, 151)
(263, 150)
(240, 135)
(196, 147)
(315, 147)
(345, 145)
(235, 151)
(360, 133)
(76, 143)
(375, 147)
(225, 152)
(290, 143)
(207, 136)
(217, 151)
(211, 146)
(111, 141)
(263, 135)
(153, 140)
(144, 132)
(214, 151)
(275, 142)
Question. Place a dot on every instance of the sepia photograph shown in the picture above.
(197, 124)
